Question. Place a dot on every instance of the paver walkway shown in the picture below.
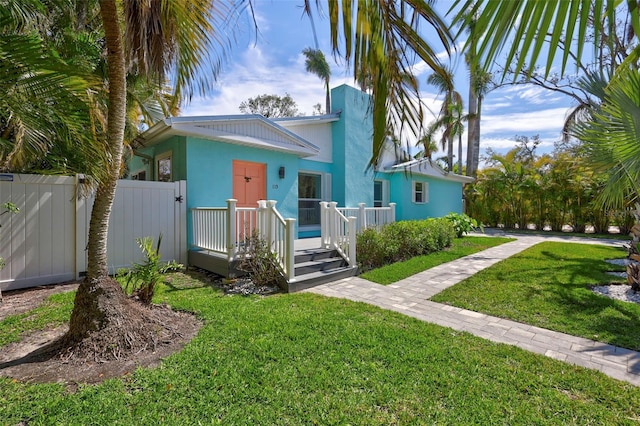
(409, 296)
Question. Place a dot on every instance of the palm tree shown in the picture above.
(612, 140)
(447, 120)
(381, 41)
(535, 25)
(159, 37)
(43, 99)
(479, 80)
(428, 144)
(316, 63)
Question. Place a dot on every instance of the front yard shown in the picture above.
(548, 286)
(306, 359)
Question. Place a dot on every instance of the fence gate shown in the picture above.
(46, 241)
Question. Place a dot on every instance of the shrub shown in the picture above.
(260, 263)
(141, 280)
(462, 223)
(402, 240)
(370, 249)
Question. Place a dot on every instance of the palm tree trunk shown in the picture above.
(97, 293)
(473, 129)
(475, 163)
(450, 154)
(460, 153)
(328, 100)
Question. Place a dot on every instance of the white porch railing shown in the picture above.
(338, 232)
(368, 217)
(222, 230)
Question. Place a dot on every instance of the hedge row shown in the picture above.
(402, 240)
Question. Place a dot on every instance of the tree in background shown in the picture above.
(270, 106)
(316, 63)
(479, 82)
(522, 188)
(428, 144)
(527, 28)
(449, 119)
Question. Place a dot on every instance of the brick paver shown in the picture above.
(409, 297)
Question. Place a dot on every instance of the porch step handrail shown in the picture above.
(278, 232)
(368, 217)
(338, 231)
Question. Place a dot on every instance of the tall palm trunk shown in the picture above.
(473, 134)
(460, 152)
(450, 153)
(89, 309)
(328, 100)
(475, 160)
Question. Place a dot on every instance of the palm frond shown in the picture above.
(527, 28)
(382, 40)
(612, 139)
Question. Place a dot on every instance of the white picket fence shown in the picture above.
(46, 241)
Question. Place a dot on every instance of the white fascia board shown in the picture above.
(314, 119)
(421, 167)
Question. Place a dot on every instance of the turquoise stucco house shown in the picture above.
(297, 162)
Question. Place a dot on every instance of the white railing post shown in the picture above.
(231, 228)
(324, 223)
(392, 212)
(362, 217)
(333, 224)
(289, 260)
(352, 240)
(261, 219)
(271, 223)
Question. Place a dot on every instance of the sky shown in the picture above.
(271, 62)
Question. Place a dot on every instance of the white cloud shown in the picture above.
(529, 93)
(543, 121)
(502, 144)
(256, 73)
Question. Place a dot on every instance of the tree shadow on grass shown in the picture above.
(191, 279)
(613, 321)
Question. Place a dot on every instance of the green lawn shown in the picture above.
(461, 247)
(548, 286)
(306, 359)
(54, 312)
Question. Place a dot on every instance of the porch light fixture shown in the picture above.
(281, 172)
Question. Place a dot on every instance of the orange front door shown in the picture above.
(249, 183)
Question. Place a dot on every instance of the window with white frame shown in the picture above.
(163, 167)
(420, 193)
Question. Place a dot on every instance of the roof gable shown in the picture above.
(248, 130)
